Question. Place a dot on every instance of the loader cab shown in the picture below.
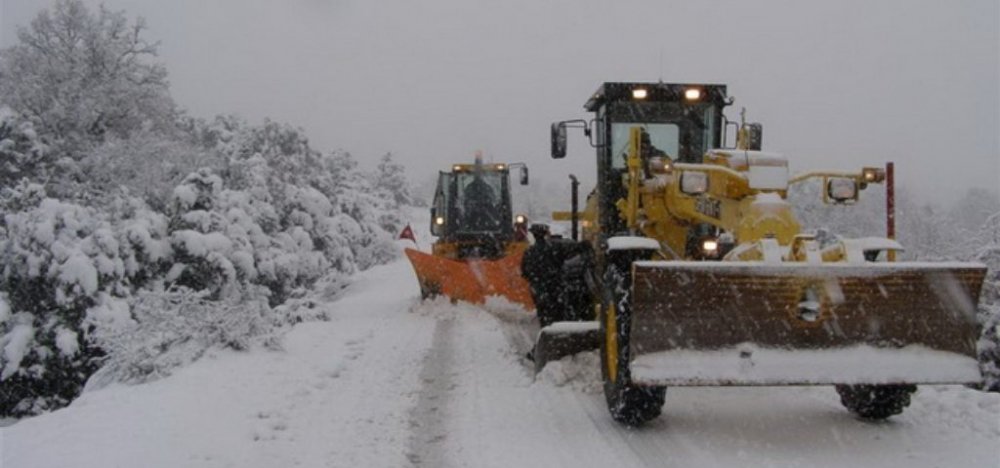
(472, 204)
(682, 120)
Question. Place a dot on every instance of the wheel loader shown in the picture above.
(479, 243)
(699, 274)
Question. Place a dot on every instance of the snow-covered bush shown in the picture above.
(175, 327)
(202, 250)
(148, 165)
(326, 195)
(989, 309)
(369, 217)
(143, 240)
(22, 154)
(61, 273)
(155, 236)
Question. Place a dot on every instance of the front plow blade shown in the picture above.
(729, 323)
(471, 280)
(563, 339)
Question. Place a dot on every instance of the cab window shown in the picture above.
(664, 136)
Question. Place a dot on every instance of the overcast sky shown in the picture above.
(837, 84)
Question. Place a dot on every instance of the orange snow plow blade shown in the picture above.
(471, 280)
(734, 323)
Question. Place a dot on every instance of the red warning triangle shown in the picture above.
(407, 234)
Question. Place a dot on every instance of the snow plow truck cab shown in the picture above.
(699, 274)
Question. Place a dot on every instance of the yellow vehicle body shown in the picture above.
(753, 298)
(703, 276)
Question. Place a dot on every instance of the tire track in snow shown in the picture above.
(427, 420)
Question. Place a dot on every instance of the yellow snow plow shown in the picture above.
(700, 274)
(479, 243)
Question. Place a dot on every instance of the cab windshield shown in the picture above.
(478, 200)
(663, 136)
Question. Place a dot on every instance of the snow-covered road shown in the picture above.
(392, 382)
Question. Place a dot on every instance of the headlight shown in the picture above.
(871, 175)
(439, 220)
(694, 183)
(520, 219)
(710, 246)
(659, 165)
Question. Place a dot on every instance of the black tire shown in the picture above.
(629, 404)
(429, 291)
(875, 402)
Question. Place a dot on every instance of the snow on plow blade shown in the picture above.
(471, 280)
(728, 323)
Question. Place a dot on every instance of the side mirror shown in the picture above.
(841, 190)
(524, 175)
(727, 136)
(755, 136)
(558, 140)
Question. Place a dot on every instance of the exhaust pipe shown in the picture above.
(574, 208)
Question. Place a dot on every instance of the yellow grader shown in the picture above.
(479, 243)
(698, 273)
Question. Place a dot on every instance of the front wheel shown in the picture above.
(875, 402)
(629, 404)
(429, 291)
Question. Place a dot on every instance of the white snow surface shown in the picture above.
(15, 347)
(79, 270)
(750, 364)
(4, 308)
(389, 381)
(66, 342)
(632, 243)
(571, 327)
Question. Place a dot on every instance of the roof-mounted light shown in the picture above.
(872, 175)
(456, 168)
(692, 94)
(501, 167)
(639, 93)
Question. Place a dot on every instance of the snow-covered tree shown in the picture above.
(390, 179)
(80, 76)
(367, 220)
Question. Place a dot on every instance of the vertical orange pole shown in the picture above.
(890, 206)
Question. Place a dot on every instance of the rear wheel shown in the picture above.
(875, 402)
(628, 403)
